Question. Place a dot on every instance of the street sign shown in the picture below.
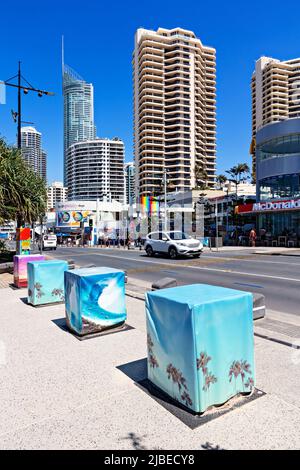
(2, 93)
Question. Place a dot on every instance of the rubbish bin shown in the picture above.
(95, 299)
(200, 343)
(20, 268)
(46, 281)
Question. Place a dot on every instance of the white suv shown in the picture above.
(172, 243)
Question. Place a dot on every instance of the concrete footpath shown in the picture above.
(58, 392)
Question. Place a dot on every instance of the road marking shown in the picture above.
(248, 285)
(263, 260)
(202, 268)
(230, 271)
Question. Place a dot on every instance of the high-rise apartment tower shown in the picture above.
(95, 169)
(174, 79)
(32, 152)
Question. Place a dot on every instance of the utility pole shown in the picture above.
(19, 106)
(217, 228)
(165, 196)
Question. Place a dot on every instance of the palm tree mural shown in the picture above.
(202, 362)
(151, 357)
(241, 368)
(186, 399)
(38, 287)
(209, 378)
(179, 380)
(58, 293)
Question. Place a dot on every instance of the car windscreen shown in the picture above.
(178, 236)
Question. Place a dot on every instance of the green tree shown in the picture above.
(221, 180)
(237, 173)
(201, 176)
(23, 193)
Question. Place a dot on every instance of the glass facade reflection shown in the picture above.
(281, 223)
(279, 187)
(287, 145)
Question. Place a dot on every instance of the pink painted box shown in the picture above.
(20, 268)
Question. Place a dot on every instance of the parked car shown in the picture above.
(173, 243)
(49, 242)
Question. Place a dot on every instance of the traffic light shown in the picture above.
(90, 222)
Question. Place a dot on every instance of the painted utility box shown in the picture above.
(200, 343)
(46, 281)
(23, 240)
(20, 268)
(95, 299)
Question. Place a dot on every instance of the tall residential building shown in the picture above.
(275, 93)
(78, 111)
(174, 110)
(56, 193)
(32, 152)
(95, 169)
(129, 173)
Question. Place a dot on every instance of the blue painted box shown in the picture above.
(95, 299)
(200, 343)
(46, 281)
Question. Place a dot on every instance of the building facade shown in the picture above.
(174, 79)
(275, 89)
(277, 208)
(129, 174)
(78, 111)
(95, 169)
(32, 152)
(56, 194)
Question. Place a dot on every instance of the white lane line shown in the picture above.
(228, 271)
(251, 260)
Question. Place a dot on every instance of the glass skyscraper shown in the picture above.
(32, 152)
(78, 111)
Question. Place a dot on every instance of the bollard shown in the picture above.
(164, 283)
(259, 306)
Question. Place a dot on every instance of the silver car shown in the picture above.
(172, 243)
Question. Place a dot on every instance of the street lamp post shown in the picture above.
(165, 202)
(25, 89)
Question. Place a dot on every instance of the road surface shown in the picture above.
(277, 277)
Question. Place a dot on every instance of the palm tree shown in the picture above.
(201, 175)
(237, 173)
(23, 193)
(221, 179)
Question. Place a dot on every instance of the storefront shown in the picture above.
(277, 222)
(277, 183)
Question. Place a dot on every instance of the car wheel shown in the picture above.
(149, 251)
(173, 253)
(197, 256)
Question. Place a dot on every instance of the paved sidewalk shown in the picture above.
(60, 393)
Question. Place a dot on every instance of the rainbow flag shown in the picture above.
(149, 204)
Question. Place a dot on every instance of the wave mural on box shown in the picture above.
(95, 299)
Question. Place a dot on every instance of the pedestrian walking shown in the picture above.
(252, 237)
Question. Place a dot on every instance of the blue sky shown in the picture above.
(99, 38)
